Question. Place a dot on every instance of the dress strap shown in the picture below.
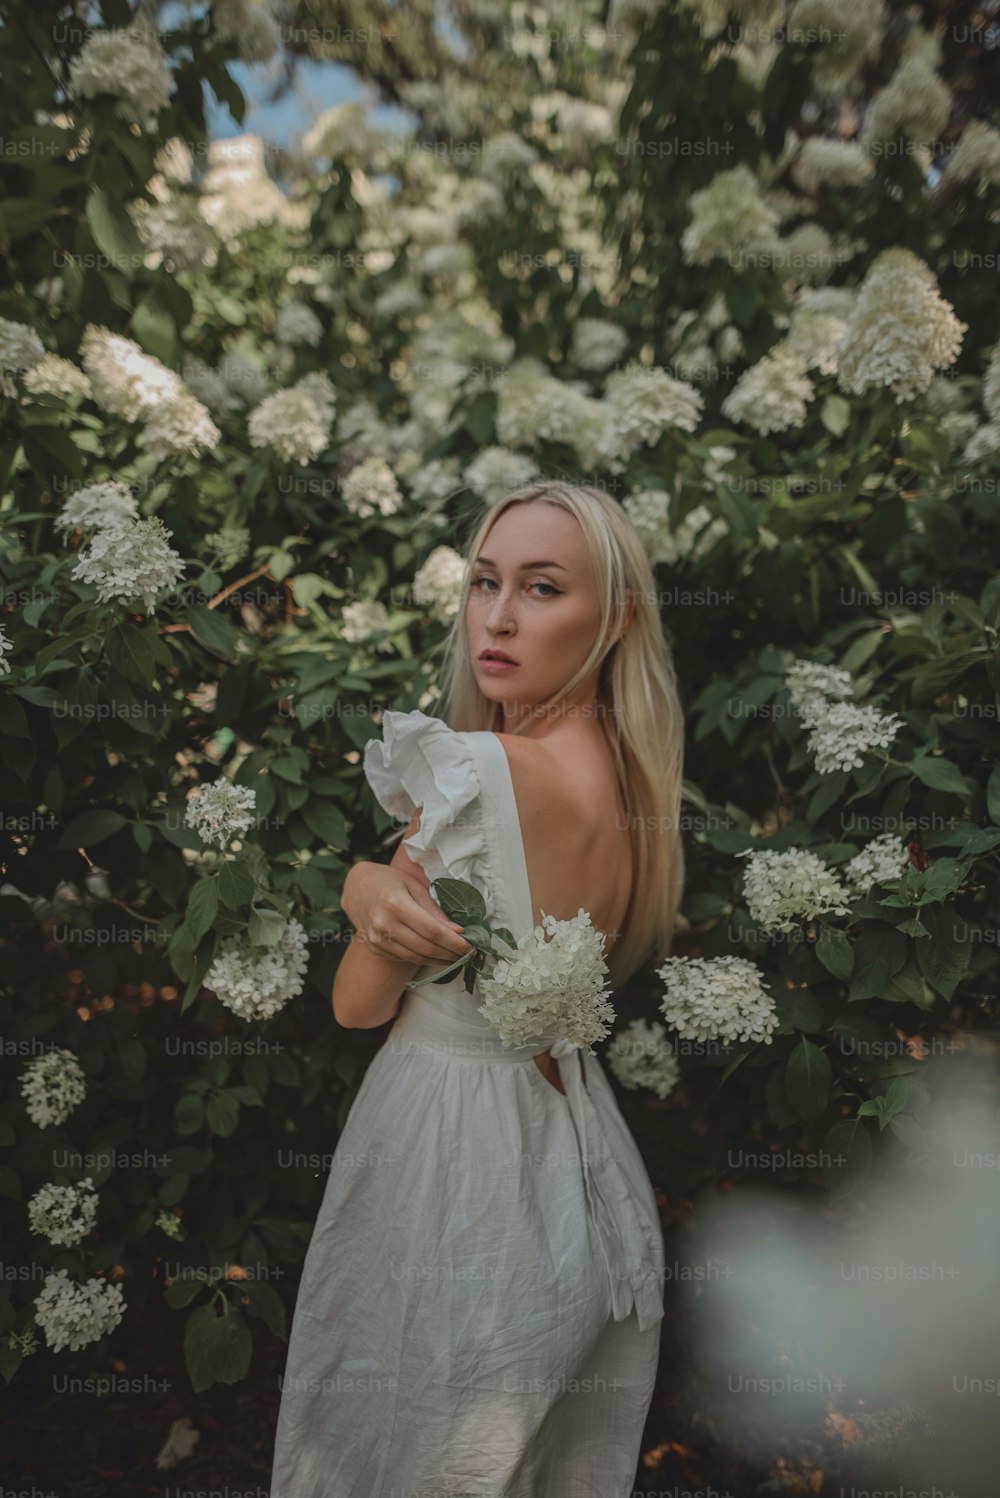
(504, 826)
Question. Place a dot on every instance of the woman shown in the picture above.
(479, 1309)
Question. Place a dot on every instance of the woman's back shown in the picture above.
(574, 825)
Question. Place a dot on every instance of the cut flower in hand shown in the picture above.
(552, 980)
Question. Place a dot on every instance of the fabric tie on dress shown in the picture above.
(628, 1256)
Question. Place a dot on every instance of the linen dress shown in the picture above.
(479, 1309)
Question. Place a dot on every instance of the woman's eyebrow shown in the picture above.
(525, 566)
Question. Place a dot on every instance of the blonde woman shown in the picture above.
(480, 1303)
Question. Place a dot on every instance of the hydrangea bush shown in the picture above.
(248, 406)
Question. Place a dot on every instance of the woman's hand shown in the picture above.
(398, 919)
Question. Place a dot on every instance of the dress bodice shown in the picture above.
(469, 829)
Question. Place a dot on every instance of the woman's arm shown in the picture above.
(399, 930)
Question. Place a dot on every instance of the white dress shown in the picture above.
(480, 1304)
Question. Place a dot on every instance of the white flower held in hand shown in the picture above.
(552, 983)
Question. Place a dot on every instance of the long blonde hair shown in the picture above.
(637, 701)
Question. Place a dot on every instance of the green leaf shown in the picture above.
(222, 1114)
(202, 908)
(808, 1079)
(217, 1347)
(236, 884)
(799, 1010)
(189, 1114)
(835, 414)
(182, 1290)
(993, 795)
(944, 959)
(940, 775)
(265, 1303)
(113, 231)
(835, 952)
(211, 629)
(879, 952)
(460, 901)
(911, 1133)
(326, 821)
(266, 927)
(131, 652)
(91, 827)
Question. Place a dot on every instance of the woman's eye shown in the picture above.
(552, 591)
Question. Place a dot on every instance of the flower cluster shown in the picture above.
(170, 1223)
(65, 1214)
(900, 329)
(52, 1086)
(295, 422)
(641, 1056)
(841, 733)
(880, 861)
(649, 512)
(132, 384)
(717, 998)
(21, 350)
(371, 489)
(771, 395)
(553, 983)
(783, 889)
(730, 221)
(129, 559)
(74, 1315)
(365, 620)
(130, 64)
(54, 375)
(297, 323)
(5, 647)
(256, 983)
(437, 584)
(221, 811)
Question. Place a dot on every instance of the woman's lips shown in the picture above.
(493, 667)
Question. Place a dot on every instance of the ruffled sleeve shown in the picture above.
(421, 762)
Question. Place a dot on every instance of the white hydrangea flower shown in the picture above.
(5, 646)
(74, 1315)
(810, 685)
(784, 889)
(362, 620)
(255, 983)
(716, 998)
(915, 103)
(900, 329)
(95, 505)
(991, 385)
(297, 323)
(130, 559)
(645, 402)
(597, 343)
(497, 471)
(446, 260)
(401, 300)
(131, 65)
(880, 861)
(318, 388)
(251, 25)
(53, 375)
(816, 337)
(245, 378)
(641, 1056)
(371, 489)
(977, 156)
(170, 1223)
(807, 254)
(343, 132)
(438, 583)
(823, 161)
(126, 381)
(64, 1214)
(719, 457)
(843, 733)
(533, 406)
(771, 395)
(210, 387)
(848, 35)
(230, 544)
(553, 984)
(434, 482)
(174, 230)
(507, 155)
(730, 221)
(181, 425)
(20, 350)
(221, 811)
(983, 443)
(295, 422)
(52, 1086)
(649, 512)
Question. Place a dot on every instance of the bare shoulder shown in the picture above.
(552, 782)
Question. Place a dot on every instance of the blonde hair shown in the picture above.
(637, 703)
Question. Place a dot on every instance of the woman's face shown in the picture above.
(533, 598)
